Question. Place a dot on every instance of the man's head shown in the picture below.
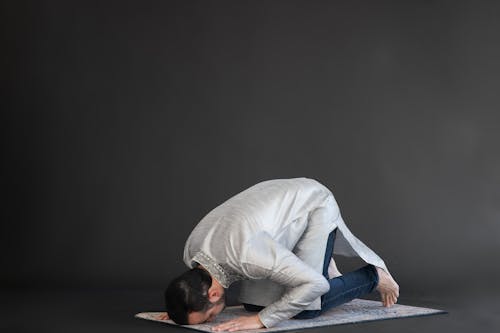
(194, 297)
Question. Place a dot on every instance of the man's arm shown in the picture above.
(265, 258)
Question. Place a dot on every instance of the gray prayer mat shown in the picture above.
(355, 311)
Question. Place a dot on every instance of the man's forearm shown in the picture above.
(292, 302)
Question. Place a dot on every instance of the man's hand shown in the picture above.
(240, 323)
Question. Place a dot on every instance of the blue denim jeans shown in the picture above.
(342, 288)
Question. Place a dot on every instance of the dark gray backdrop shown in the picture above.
(124, 123)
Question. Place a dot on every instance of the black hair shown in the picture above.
(186, 293)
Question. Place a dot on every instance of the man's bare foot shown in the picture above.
(333, 271)
(162, 316)
(387, 287)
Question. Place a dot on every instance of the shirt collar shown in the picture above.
(221, 272)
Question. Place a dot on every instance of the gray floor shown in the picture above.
(471, 309)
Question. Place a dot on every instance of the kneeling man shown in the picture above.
(276, 237)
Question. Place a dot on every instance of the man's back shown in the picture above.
(278, 207)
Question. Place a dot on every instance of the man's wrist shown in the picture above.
(260, 321)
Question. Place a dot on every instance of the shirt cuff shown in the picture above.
(268, 318)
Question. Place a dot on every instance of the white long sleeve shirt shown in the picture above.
(273, 236)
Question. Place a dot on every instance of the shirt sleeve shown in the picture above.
(265, 258)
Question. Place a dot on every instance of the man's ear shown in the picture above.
(213, 295)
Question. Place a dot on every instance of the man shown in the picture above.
(278, 238)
